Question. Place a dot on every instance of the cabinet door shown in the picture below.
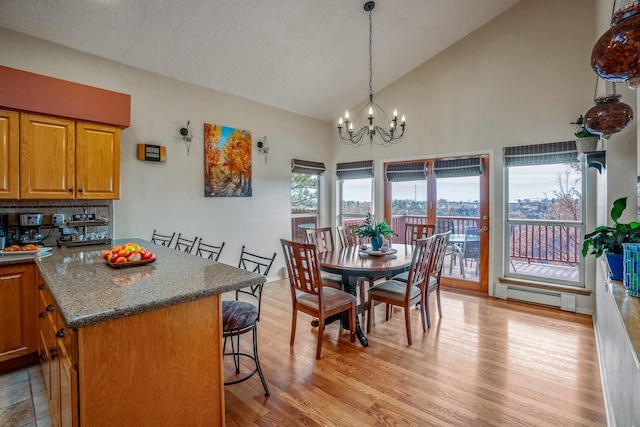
(9, 165)
(47, 157)
(68, 394)
(17, 312)
(97, 161)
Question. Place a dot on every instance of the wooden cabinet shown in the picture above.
(47, 150)
(97, 161)
(57, 349)
(9, 158)
(63, 159)
(18, 343)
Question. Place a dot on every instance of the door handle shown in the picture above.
(484, 229)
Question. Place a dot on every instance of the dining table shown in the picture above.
(355, 262)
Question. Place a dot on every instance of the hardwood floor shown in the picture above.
(487, 362)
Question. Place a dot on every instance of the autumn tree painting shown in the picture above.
(227, 162)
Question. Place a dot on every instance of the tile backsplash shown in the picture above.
(101, 208)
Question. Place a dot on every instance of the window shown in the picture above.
(408, 187)
(355, 189)
(305, 196)
(544, 212)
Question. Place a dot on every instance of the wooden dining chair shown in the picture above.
(240, 317)
(323, 239)
(185, 245)
(406, 294)
(347, 236)
(162, 239)
(435, 274)
(414, 232)
(209, 251)
(308, 294)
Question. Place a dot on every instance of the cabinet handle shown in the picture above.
(54, 353)
(41, 286)
(70, 190)
(61, 334)
(50, 308)
(43, 355)
(41, 314)
(80, 190)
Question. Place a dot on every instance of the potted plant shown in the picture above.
(609, 240)
(586, 141)
(375, 231)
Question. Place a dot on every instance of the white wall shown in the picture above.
(520, 79)
(170, 196)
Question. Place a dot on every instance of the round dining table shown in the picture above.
(353, 263)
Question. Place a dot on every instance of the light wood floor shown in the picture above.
(486, 362)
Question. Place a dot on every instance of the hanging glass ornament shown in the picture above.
(608, 116)
(616, 54)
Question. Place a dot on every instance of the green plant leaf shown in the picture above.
(618, 207)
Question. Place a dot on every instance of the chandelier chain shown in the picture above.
(370, 61)
(370, 112)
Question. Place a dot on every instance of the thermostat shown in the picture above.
(152, 153)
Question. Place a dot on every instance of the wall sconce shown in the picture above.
(263, 148)
(187, 136)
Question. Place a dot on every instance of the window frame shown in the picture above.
(508, 222)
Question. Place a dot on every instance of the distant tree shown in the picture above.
(304, 192)
(567, 203)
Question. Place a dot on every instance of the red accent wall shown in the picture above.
(35, 93)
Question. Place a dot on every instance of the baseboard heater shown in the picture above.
(565, 301)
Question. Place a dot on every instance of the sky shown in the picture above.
(545, 178)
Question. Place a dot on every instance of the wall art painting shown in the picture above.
(227, 162)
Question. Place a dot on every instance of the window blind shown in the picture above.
(411, 171)
(355, 170)
(541, 154)
(454, 168)
(307, 167)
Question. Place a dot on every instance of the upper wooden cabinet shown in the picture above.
(63, 159)
(47, 151)
(9, 158)
(97, 161)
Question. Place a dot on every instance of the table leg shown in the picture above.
(352, 289)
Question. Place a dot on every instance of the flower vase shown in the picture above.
(616, 266)
(377, 242)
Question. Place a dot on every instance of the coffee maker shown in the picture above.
(4, 222)
(29, 228)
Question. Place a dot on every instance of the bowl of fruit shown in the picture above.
(128, 255)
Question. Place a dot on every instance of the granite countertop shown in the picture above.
(88, 291)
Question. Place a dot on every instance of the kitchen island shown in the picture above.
(134, 346)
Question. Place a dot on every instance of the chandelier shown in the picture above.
(376, 133)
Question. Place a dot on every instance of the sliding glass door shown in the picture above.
(453, 194)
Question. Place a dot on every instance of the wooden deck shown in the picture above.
(533, 268)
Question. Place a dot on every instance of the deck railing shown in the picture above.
(531, 241)
(549, 243)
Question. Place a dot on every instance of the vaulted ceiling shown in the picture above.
(308, 57)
